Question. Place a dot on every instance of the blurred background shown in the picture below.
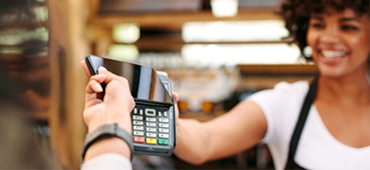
(216, 53)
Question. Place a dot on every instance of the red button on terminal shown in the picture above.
(138, 139)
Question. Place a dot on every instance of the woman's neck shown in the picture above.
(345, 90)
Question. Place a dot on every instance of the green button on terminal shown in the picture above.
(163, 141)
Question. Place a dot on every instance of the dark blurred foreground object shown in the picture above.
(19, 144)
(25, 84)
(24, 53)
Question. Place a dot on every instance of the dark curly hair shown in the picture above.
(296, 14)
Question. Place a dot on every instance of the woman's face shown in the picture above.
(340, 42)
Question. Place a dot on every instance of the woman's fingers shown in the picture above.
(175, 96)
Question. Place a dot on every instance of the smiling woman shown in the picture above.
(297, 13)
(323, 124)
(340, 41)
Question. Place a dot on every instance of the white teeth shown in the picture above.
(332, 54)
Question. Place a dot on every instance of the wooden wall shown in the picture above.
(68, 46)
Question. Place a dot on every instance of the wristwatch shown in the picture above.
(109, 130)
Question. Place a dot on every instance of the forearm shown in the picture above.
(108, 145)
(235, 131)
(192, 139)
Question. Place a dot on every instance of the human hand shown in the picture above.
(116, 105)
(177, 113)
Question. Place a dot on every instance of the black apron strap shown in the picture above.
(310, 97)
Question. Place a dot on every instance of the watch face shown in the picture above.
(144, 81)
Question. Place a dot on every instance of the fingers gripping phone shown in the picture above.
(153, 118)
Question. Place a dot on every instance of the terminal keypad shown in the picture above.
(150, 125)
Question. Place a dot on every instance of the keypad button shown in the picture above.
(138, 133)
(138, 128)
(134, 117)
(163, 125)
(138, 122)
(150, 119)
(148, 129)
(165, 114)
(151, 124)
(151, 141)
(151, 135)
(160, 114)
(135, 111)
(163, 135)
(141, 112)
(162, 141)
(138, 139)
(150, 112)
(163, 130)
(165, 120)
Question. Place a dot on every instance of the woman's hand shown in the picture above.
(176, 97)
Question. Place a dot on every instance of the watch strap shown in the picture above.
(109, 130)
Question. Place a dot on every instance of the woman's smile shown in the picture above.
(332, 57)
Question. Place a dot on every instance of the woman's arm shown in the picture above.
(241, 128)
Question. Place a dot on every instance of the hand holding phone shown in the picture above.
(98, 113)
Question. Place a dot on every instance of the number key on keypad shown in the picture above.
(138, 128)
(139, 133)
(137, 122)
(148, 129)
(163, 120)
(151, 124)
(134, 117)
(152, 135)
(150, 119)
(163, 135)
(164, 130)
(163, 125)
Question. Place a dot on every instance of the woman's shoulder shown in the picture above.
(283, 94)
(284, 88)
(297, 88)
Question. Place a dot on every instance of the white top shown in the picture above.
(317, 148)
(109, 161)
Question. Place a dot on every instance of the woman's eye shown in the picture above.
(318, 25)
(348, 28)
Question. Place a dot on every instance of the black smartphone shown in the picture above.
(153, 118)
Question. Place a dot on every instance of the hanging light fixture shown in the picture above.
(224, 8)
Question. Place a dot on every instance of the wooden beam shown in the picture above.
(278, 69)
(174, 21)
(94, 7)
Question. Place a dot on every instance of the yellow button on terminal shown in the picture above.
(151, 141)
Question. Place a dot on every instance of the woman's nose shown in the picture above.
(331, 35)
